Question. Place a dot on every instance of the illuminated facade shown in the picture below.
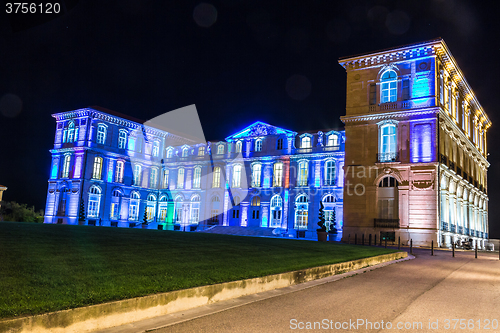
(415, 148)
(109, 170)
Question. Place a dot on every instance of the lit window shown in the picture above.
(237, 175)
(94, 202)
(255, 211)
(214, 218)
(256, 172)
(277, 174)
(156, 148)
(387, 148)
(153, 178)
(101, 133)
(137, 175)
(151, 207)
(276, 207)
(303, 174)
(119, 172)
(71, 132)
(389, 87)
(165, 178)
(66, 165)
(197, 177)
(279, 144)
(305, 142)
(133, 213)
(238, 146)
(330, 173)
(258, 145)
(114, 211)
(301, 212)
(333, 140)
(195, 209)
(180, 178)
(170, 152)
(96, 174)
(216, 177)
(201, 151)
(131, 144)
(220, 149)
(185, 152)
(178, 210)
(122, 139)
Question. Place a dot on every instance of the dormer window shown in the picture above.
(238, 147)
(258, 145)
(220, 149)
(389, 84)
(101, 133)
(185, 152)
(333, 140)
(279, 144)
(201, 151)
(305, 142)
(122, 139)
(170, 152)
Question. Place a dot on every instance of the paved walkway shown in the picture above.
(430, 290)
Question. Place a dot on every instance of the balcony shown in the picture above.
(386, 223)
(387, 157)
(329, 182)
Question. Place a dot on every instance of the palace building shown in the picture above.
(416, 157)
(414, 149)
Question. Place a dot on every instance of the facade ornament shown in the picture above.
(320, 138)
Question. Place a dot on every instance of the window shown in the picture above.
(329, 210)
(387, 198)
(122, 139)
(114, 211)
(214, 212)
(185, 152)
(162, 209)
(197, 177)
(156, 148)
(180, 178)
(201, 151)
(258, 145)
(305, 142)
(119, 172)
(71, 132)
(276, 207)
(441, 88)
(96, 174)
(220, 149)
(237, 175)
(151, 207)
(256, 207)
(301, 212)
(303, 174)
(216, 177)
(153, 178)
(388, 91)
(388, 182)
(256, 171)
(133, 211)
(101, 134)
(178, 210)
(373, 94)
(406, 89)
(94, 201)
(131, 144)
(277, 174)
(238, 147)
(137, 175)
(330, 173)
(279, 144)
(387, 145)
(165, 178)
(66, 165)
(195, 209)
(333, 140)
(170, 152)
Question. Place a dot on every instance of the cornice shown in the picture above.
(388, 115)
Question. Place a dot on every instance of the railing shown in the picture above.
(329, 182)
(386, 223)
(390, 106)
(466, 231)
(444, 226)
(453, 228)
(387, 157)
(460, 229)
(443, 159)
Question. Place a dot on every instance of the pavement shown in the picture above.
(428, 294)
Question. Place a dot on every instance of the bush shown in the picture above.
(15, 212)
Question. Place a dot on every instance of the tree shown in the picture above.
(81, 212)
(145, 218)
(333, 229)
(14, 212)
(321, 222)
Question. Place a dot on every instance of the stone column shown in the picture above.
(244, 214)
(265, 214)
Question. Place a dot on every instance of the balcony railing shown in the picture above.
(329, 182)
(444, 226)
(386, 223)
(387, 157)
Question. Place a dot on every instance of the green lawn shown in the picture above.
(53, 267)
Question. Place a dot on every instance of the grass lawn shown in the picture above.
(54, 267)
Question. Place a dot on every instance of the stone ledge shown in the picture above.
(101, 316)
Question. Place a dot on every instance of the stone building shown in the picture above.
(416, 157)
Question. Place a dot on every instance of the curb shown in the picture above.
(101, 316)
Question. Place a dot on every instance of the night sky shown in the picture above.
(239, 61)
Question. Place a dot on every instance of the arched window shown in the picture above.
(201, 151)
(220, 149)
(96, 174)
(256, 173)
(180, 178)
(197, 177)
(71, 132)
(214, 212)
(194, 208)
(333, 140)
(153, 181)
(170, 152)
(276, 211)
(216, 177)
(238, 147)
(301, 212)
(101, 133)
(258, 145)
(278, 174)
(162, 209)
(305, 142)
(151, 207)
(256, 201)
(114, 212)
(303, 173)
(137, 174)
(237, 175)
(165, 178)
(119, 172)
(387, 145)
(94, 201)
(66, 166)
(387, 194)
(156, 148)
(388, 91)
(133, 211)
(329, 211)
(122, 139)
(255, 207)
(185, 152)
(330, 173)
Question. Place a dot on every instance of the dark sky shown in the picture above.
(238, 60)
